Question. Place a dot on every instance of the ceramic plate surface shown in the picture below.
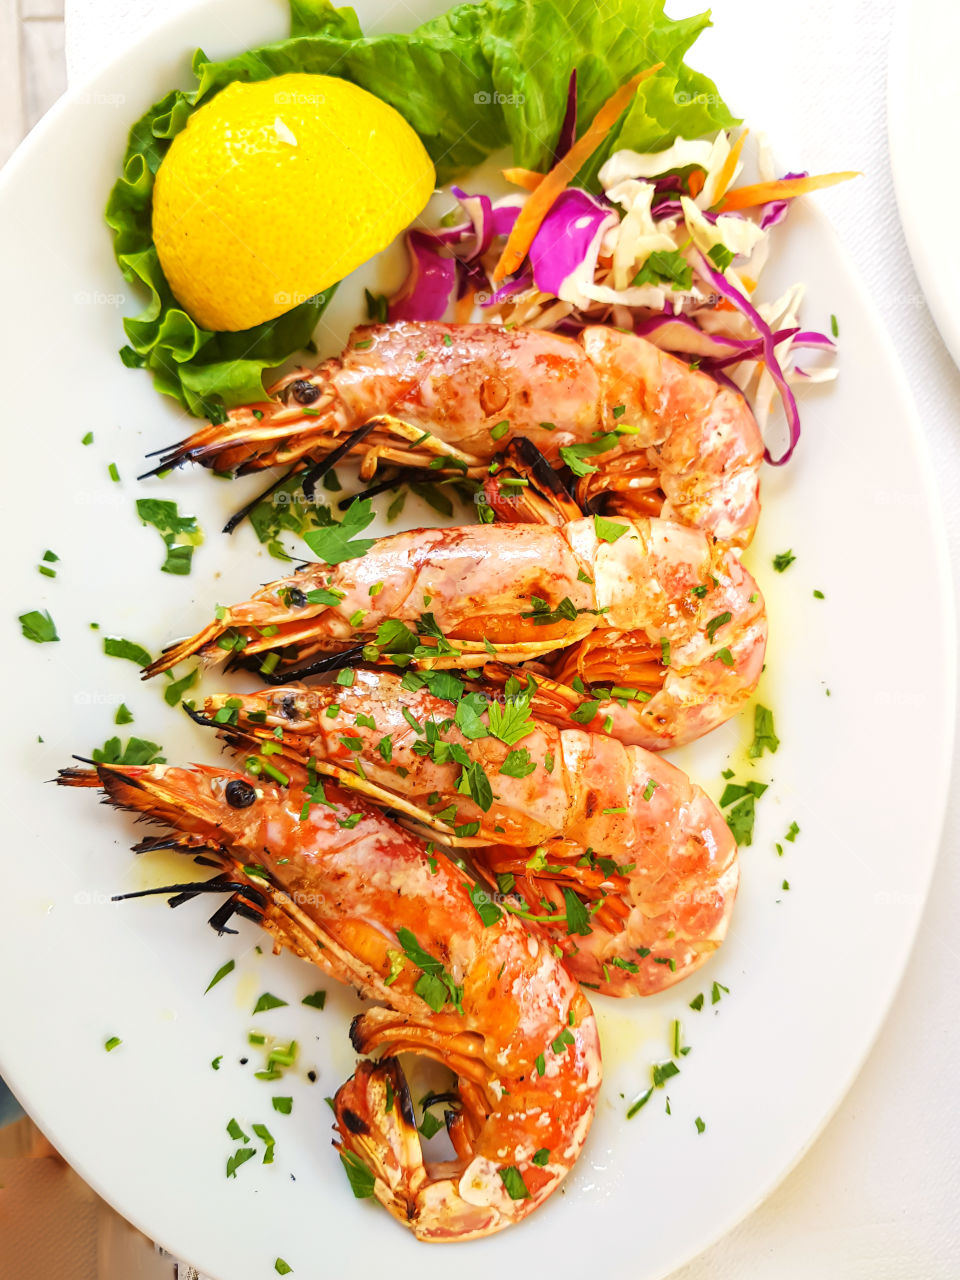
(810, 969)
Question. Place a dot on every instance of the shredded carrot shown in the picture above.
(562, 174)
(695, 182)
(463, 307)
(725, 176)
(785, 189)
(525, 178)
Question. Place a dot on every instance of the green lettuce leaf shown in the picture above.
(475, 79)
(534, 45)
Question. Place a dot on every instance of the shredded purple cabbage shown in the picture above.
(568, 130)
(565, 237)
(746, 308)
(425, 294)
(776, 210)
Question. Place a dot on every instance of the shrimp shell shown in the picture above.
(699, 443)
(672, 616)
(341, 885)
(661, 874)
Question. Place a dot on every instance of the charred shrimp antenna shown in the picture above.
(332, 662)
(239, 906)
(431, 1099)
(198, 717)
(238, 517)
(163, 466)
(524, 452)
(167, 448)
(191, 889)
(415, 476)
(102, 766)
(316, 473)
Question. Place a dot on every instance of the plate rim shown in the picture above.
(886, 349)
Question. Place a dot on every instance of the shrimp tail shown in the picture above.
(523, 488)
(378, 1130)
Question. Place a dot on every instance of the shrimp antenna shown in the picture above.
(238, 517)
(332, 662)
(198, 717)
(316, 473)
(246, 902)
(311, 476)
(416, 476)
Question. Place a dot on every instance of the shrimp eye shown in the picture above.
(239, 794)
(304, 392)
(288, 707)
(297, 598)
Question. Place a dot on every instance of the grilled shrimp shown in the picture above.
(666, 439)
(663, 612)
(339, 884)
(558, 811)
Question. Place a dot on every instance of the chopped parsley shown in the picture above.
(361, 1179)
(578, 917)
(38, 627)
(315, 1001)
(661, 1072)
(124, 715)
(720, 256)
(239, 1157)
(513, 1181)
(574, 455)
(764, 737)
(116, 647)
(138, 751)
(639, 1103)
(220, 975)
(337, 542)
(741, 818)
(180, 534)
(435, 986)
(429, 1125)
(608, 530)
(666, 267)
(177, 688)
(487, 910)
(518, 764)
(783, 560)
(714, 625)
(268, 1001)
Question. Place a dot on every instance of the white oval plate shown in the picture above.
(923, 98)
(810, 970)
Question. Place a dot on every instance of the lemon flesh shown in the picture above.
(276, 190)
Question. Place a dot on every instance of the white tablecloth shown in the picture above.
(877, 1196)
